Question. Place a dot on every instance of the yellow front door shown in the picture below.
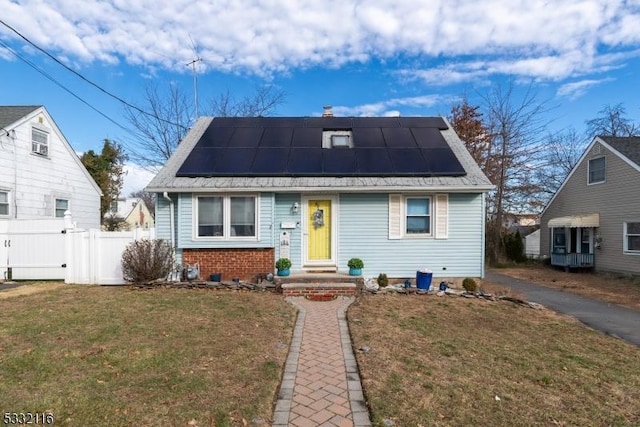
(319, 229)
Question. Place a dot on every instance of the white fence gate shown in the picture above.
(53, 249)
(32, 249)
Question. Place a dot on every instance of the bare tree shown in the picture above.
(163, 125)
(561, 155)
(168, 116)
(516, 127)
(612, 121)
(263, 101)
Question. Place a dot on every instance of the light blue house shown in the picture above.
(401, 193)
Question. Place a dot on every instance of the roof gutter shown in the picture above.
(333, 189)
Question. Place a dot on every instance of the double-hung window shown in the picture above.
(4, 203)
(226, 216)
(62, 205)
(596, 170)
(632, 237)
(39, 142)
(418, 216)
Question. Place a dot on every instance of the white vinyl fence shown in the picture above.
(32, 249)
(55, 249)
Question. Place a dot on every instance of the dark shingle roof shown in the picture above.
(11, 114)
(628, 146)
(292, 146)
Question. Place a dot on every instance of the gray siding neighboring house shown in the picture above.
(594, 218)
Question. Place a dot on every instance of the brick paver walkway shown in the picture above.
(321, 385)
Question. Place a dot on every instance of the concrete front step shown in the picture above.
(305, 289)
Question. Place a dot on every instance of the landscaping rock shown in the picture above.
(388, 423)
(365, 349)
(536, 306)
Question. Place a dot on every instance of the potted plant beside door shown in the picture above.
(283, 265)
(355, 266)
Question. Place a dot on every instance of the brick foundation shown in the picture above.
(244, 264)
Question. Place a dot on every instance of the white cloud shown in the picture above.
(535, 38)
(389, 108)
(135, 178)
(575, 90)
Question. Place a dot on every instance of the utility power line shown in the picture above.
(86, 79)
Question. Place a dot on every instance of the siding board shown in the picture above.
(363, 233)
(616, 200)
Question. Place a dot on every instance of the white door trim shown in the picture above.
(331, 263)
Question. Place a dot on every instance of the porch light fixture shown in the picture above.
(295, 207)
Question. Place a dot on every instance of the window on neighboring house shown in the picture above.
(559, 241)
(226, 216)
(418, 216)
(632, 237)
(62, 205)
(596, 170)
(4, 203)
(39, 142)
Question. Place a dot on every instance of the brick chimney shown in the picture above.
(328, 112)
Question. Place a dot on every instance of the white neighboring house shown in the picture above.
(41, 176)
(133, 211)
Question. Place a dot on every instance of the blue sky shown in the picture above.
(374, 57)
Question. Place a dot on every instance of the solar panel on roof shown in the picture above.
(429, 138)
(235, 161)
(375, 122)
(442, 161)
(276, 137)
(235, 122)
(329, 122)
(216, 137)
(266, 147)
(281, 122)
(200, 161)
(367, 137)
(305, 161)
(373, 161)
(423, 122)
(339, 161)
(398, 138)
(307, 137)
(270, 161)
(246, 137)
(408, 160)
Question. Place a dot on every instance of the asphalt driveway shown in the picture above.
(609, 318)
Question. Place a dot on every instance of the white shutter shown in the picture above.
(395, 216)
(442, 216)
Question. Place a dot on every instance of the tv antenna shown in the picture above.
(193, 65)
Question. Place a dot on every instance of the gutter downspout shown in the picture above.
(171, 219)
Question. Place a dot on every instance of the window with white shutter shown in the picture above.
(418, 216)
